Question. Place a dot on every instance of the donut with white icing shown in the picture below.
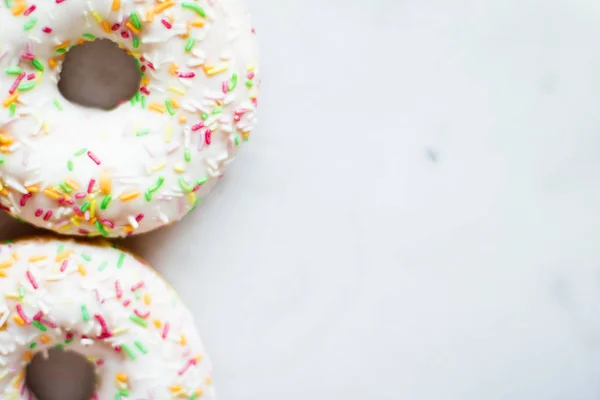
(105, 304)
(148, 162)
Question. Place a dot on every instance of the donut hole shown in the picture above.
(63, 375)
(99, 74)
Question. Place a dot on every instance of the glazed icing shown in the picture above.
(148, 162)
(105, 304)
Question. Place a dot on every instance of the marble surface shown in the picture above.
(416, 216)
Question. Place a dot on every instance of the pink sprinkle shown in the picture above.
(237, 118)
(91, 185)
(30, 10)
(137, 286)
(16, 83)
(139, 217)
(31, 279)
(69, 336)
(48, 215)
(125, 35)
(240, 111)
(165, 331)
(59, 1)
(118, 289)
(77, 211)
(64, 265)
(145, 90)
(38, 316)
(100, 362)
(186, 74)
(24, 317)
(190, 362)
(117, 348)
(48, 323)
(39, 212)
(198, 126)
(151, 66)
(166, 23)
(28, 56)
(140, 314)
(143, 68)
(64, 201)
(24, 199)
(115, 27)
(103, 325)
(126, 302)
(80, 195)
(47, 29)
(30, 77)
(251, 75)
(107, 222)
(207, 136)
(225, 87)
(93, 157)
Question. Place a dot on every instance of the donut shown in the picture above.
(148, 162)
(108, 306)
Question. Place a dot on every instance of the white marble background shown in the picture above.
(416, 216)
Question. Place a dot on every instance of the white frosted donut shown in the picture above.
(148, 162)
(108, 306)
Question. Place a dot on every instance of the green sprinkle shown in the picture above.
(86, 257)
(80, 152)
(59, 346)
(204, 116)
(136, 42)
(88, 36)
(85, 206)
(249, 83)
(84, 313)
(202, 181)
(124, 393)
(234, 81)
(194, 7)
(157, 185)
(12, 109)
(26, 86)
(37, 64)
(236, 139)
(105, 202)
(65, 188)
(135, 20)
(217, 111)
(57, 104)
(187, 155)
(21, 291)
(184, 185)
(70, 165)
(60, 248)
(190, 43)
(169, 107)
(8, 3)
(139, 321)
(69, 340)
(132, 101)
(140, 347)
(13, 70)
(33, 345)
(120, 261)
(142, 132)
(61, 50)
(143, 101)
(1, 159)
(138, 294)
(148, 195)
(30, 24)
(39, 326)
(104, 264)
(101, 229)
(137, 96)
(129, 352)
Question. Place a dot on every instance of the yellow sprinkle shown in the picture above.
(97, 16)
(251, 67)
(116, 5)
(32, 189)
(105, 182)
(159, 167)
(163, 6)
(122, 377)
(52, 194)
(217, 70)
(63, 45)
(132, 28)
(191, 197)
(81, 269)
(41, 257)
(159, 108)
(12, 296)
(199, 393)
(93, 211)
(15, 256)
(129, 195)
(174, 103)
(182, 119)
(45, 339)
(150, 16)
(169, 134)
(157, 323)
(45, 128)
(19, 378)
(11, 99)
(179, 167)
(177, 90)
(19, 8)
(64, 255)
(72, 184)
(2, 274)
(146, 299)
(75, 221)
(6, 264)
(183, 340)
(64, 227)
(17, 318)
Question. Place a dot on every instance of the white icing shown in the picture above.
(39, 143)
(158, 368)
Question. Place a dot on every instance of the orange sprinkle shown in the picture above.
(52, 194)
(6, 140)
(41, 257)
(182, 119)
(63, 45)
(19, 378)
(183, 340)
(128, 229)
(159, 108)
(132, 28)
(19, 8)
(81, 270)
(175, 388)
(11, 99)
(45, 339)
(150, 16)
(52, 63)
(208, 380)
(145, 81)
(3, 274)
(199, 393)
(245, 135)
(157, 323)
(6, 264)
(174, 103)
(163, 6)
(116, 5)
(4, 192)
(27, 356)
(106, 27)
(173, 69)
(17, 318)
(198, 23)
(5, 149)
(122, 377)
(105, 182)
(129, 195)
(72, 184)
(32, 189)
(64, 255)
